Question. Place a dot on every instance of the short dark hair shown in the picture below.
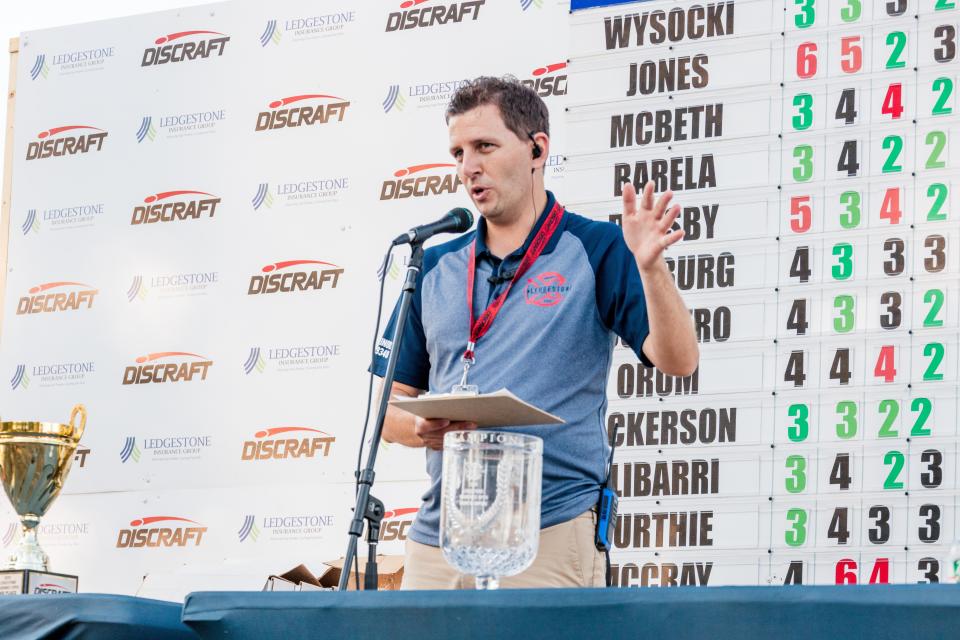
(520, 107)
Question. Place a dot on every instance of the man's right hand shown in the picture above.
(409, 430)
(431, 432)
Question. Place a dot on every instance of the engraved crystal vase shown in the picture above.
(490, 503)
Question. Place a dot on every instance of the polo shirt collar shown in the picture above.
(484, 252)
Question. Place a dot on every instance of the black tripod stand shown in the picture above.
(368, 507)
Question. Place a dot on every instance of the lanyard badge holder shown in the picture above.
(479, 326)
(464, 389)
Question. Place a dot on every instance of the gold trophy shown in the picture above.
(35, 459)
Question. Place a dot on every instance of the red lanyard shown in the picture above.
(482, 324)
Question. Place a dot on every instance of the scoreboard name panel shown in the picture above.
(814, 148)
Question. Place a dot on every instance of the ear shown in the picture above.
(541, 149)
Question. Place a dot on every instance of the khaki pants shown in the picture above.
(566, 557)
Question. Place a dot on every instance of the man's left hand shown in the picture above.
(645, 224)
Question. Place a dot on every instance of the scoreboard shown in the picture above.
(814, 147)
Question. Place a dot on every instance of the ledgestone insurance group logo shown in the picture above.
(130, 450)
(271, 34)
(291, 358)
(394, 99)
(166, 286)
(53, 534)
(288, 276)
(180, 125)
(546, 290)
(284, 443)
(420, 180)
(423, 95)
(31, 224)
(167, 366)
(175, 206)
(20, 379)
(285, 527)
(58, 374)
(9, 534)
(309, 109)
(263, 197)
(420, 14)
(146, 131)
(40, 68)
(62, 218)
(161, 531)
(67, 140)
(249, 529)
(549, 80)
(393, 269)
(301, 193)
(57, 297)
(185, 46)
(255, 362)
(63, 534)
(555, 166)
(164, 449)
(302, 28)
(70, 62)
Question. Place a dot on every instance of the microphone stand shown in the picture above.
(369, 508)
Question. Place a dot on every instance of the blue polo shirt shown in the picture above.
(551, 345)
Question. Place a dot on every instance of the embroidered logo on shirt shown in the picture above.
(546, 290)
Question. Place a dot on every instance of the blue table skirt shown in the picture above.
(90, 616)
(740, 613)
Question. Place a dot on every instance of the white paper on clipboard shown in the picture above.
(498, 409)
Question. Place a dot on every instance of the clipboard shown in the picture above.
(498, 409)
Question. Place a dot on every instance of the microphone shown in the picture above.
(495, 279)
(456, 221)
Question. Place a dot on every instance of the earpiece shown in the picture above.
(537, 150)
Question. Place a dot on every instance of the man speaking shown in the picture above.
(551, 341)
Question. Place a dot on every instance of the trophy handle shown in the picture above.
(78, 430)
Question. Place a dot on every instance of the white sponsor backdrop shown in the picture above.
(812, 144)
(270, 370)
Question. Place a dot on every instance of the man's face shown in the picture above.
(493, 163)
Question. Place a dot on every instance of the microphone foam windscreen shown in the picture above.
(464, 218)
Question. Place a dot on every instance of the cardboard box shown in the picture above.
(276, 583)
(292, 580)
(389, 575)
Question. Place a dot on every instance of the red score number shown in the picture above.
(807, 60)
(890, 209)
(846, 571)
(800, 214)
(893, 101)
(851, 54)
(886, 365)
